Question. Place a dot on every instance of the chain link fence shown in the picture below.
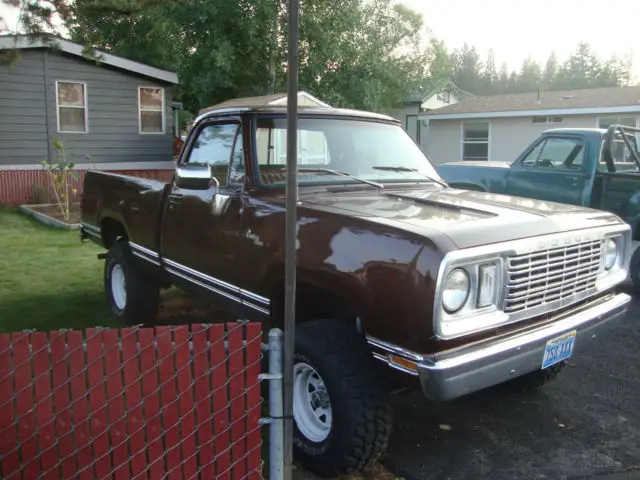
(174, 402)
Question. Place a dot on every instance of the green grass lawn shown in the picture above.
(48, 279)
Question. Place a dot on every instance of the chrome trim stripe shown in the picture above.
(216, 291)
(143, 257)
(93, 228)
(93, 234)
(144, 250)
(394, 349)
(204, 285)
(256, 297)
(220, 283)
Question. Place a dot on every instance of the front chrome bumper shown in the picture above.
(463, 370)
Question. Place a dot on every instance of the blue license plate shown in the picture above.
(558, 349)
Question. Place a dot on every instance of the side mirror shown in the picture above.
(194, 177)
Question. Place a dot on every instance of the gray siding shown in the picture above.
(23, 127)
(112, 99)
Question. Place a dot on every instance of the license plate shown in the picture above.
(558, 349)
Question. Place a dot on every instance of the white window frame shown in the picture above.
(140, 110)
(617, 117)
(548, 119)
(488, 141)
(85, 107)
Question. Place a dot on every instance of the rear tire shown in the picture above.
(131, 295)
(534, 380)
(342, 423)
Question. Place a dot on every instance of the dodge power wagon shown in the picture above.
(402, 280)
(591, 167)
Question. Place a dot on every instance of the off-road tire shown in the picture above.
(142, 292)
(533, 380)
(361, 417)
(634, 270)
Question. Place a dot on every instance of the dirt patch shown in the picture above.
(53, 211)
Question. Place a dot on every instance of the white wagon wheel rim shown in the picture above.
(311, 403)
(118, 287)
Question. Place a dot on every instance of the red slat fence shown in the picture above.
(33, 186)
(174, 402)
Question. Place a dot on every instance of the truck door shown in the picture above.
(200, 228)
(552, 169)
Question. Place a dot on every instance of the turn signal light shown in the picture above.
(403, 363)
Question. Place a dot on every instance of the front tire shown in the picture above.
(131, 295)
(342, 422)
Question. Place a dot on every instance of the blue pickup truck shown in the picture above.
(590, 167)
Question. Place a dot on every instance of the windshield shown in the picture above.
(373, 151)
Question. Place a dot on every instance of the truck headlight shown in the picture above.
(610, 253)
(455, 290)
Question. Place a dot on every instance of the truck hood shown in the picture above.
(467, 218)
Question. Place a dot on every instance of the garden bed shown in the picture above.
(50, 214)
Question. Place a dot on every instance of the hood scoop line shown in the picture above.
(441, 204)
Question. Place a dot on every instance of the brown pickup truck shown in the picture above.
(453, 290)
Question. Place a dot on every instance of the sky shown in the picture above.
(515, 29)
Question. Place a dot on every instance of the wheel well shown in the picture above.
(111, 230)
(312, 303)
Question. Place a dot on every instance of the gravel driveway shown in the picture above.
(584, 424)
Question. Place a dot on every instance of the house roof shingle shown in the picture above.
(19, 42)
(547, 100)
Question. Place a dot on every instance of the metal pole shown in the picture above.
(291, 232)
(276, 430)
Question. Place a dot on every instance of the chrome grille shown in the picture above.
(536, 278)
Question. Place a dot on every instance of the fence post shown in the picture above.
(276, 411)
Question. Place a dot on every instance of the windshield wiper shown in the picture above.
(408, 169)
(336, 172)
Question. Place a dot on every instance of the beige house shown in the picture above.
(438, 95)
(500, 127)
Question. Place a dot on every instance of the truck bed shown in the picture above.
(133, 201)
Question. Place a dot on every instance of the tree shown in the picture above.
(440, 61)
(489, 76)
(468, 68)
(530, 76)
(550, 71)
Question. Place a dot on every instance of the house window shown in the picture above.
(72, 107)
(151, 109)
(547, 119)
(445, 96)
(475, 141)
(606, 122)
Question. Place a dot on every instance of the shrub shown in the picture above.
(61, 174)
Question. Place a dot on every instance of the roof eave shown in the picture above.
(531, 113)
(23, 42)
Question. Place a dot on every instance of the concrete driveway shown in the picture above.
(584, 424)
